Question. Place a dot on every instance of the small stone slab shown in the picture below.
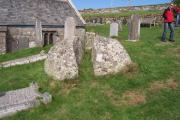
(13, 101)
(22, 61)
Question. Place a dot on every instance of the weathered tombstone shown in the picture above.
(38, 31)
(114, 29)
(134, 28)
(101, 20)
(14, 101)
(3, 40)
(69, 30)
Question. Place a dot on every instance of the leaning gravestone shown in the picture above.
(114, 29)
(17, 100)
(134, 28)
(61, 62)
(109, 56)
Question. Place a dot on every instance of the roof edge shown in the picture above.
(76, 11)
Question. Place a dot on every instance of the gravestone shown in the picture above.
(134, 27)
(14, 101)
(3, 35)
(69, 30)
(38, 33)
(61, 63)
(114, 29)
(2, 42)
(120, 25)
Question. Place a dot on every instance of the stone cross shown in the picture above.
(38, 31)
(114, 29)
(69, 30)
(134, 27)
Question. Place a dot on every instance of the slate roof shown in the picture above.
(49, 12)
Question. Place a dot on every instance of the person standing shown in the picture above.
(168, 22)
(178, 15)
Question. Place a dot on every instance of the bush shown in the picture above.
(177, 1)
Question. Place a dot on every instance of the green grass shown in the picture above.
(86, 97)
(123, 14)
(23, 53)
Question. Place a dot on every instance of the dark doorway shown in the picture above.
(45, 39)
(51, 38)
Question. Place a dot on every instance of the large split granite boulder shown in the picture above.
(64, 57)
(61, 62)
(108, 56)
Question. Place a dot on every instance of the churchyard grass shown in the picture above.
(23, 53)
(101, 98)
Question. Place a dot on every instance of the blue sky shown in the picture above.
(81, 4)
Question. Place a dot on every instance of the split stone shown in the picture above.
(109, 56)
(61, 63)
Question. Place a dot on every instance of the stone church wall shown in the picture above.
(19, 38)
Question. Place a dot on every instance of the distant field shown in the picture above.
(150, 92)
(123, 14)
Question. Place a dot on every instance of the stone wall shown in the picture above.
(124, 19)
(19, 38)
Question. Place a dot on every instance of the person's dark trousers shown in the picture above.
(171, 27)
(177, 20)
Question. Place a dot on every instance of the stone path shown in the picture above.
(17, 100)
(22, 61)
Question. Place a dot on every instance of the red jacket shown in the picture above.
(178, 10)
(168, 16)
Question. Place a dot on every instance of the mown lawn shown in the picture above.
(151, 92)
